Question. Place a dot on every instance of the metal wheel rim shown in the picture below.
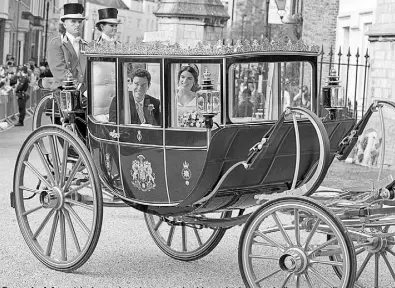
(61, 216)
(247, 245)
(40, 110)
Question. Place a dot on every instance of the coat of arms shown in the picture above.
(142, 176)
(186, 172)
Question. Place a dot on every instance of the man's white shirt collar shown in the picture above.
(107, 38)
(70, 37)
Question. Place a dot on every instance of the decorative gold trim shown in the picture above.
(240, 47)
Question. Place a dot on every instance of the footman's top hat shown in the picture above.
(73, 11)
(107, 15)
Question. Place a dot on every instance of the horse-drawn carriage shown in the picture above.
(199, 172)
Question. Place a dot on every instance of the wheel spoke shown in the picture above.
(281, 227)
(52, 234)
(330, 263)
(45, 163)
(32, 210)
(74, 190)
(297, 280)
(387, 262)
(308, 280)
(274, 243)
(329, 242)
(376, 269)
(71, 228)
(267, 277)
(42, 225)
(38, 174)
(312, 233)
(184, 238)
(322, 278)
(359, 251)
(286, 280)
(77, 203)
(158, 224)
(55, 157)
(72, 174)
(198, 236)
(170, 237)
(35, 191)
(266, 257)
(63, 246)
(64, 163)
(297, 228)
(390, 251)
(78, 219)
(363, 265)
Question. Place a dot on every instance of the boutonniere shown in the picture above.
(151, 108)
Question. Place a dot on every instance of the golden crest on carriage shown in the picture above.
(143, 177)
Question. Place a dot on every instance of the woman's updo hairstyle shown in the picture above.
(194, 70)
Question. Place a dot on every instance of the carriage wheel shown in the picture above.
(46, 111)
(58, 200)
(376, 262)
(185, 243)
(284, 244)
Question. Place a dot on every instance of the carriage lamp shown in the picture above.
(208, 99)
(330, 92)
(69, 96)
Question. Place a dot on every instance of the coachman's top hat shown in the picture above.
(107, 15)
(73, 11)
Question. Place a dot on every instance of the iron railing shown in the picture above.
(353, 72)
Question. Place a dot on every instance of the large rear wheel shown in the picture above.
(58, 199)
(284, 244)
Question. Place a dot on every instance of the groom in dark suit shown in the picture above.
(144, 109)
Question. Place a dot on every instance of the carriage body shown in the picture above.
(174, 164)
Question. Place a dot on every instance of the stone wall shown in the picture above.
(381, 82)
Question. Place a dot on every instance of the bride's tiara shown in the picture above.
(194, 67)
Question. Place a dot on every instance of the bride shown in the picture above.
(186, 96)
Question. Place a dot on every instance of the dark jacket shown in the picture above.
(151, 117)
(22, 87)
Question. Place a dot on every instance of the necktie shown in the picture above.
(140, 112)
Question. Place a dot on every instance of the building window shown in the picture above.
(138, 23)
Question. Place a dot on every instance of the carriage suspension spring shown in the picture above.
(181, 223)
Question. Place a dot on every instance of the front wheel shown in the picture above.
(58, 199)
(284, 244)
(185, 242)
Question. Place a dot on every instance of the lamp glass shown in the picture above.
(281, 4)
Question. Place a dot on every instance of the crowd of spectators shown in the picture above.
(9, 73)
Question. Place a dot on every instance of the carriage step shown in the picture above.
(12, 199)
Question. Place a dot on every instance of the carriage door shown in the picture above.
(141, 131)
(104, 147)
(186, 138)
